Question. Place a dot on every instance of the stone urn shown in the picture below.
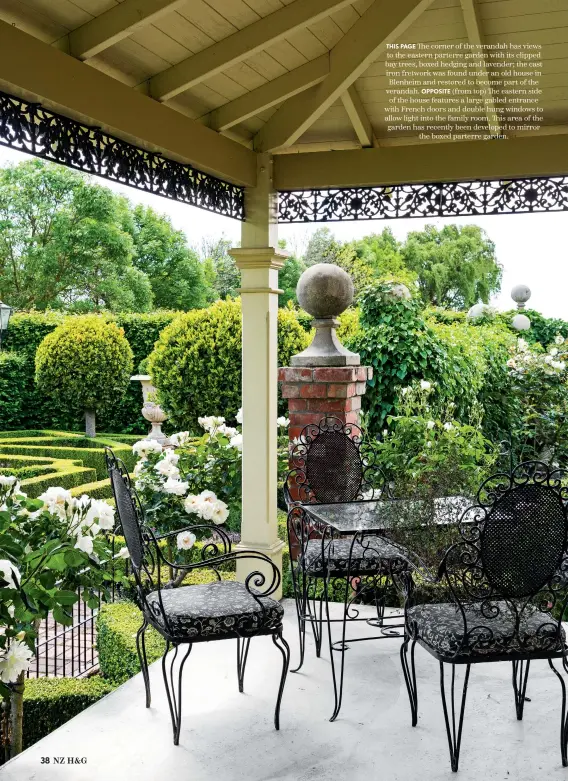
(151, 410)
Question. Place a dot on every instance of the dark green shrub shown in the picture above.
(50, 702)
(196, 364)
(16, 387)
(84, 365)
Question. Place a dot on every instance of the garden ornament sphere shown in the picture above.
(477, 311)
(521, 323)
(520, 295)
(325, 290)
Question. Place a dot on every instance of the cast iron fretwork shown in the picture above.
(439, 199)
(38, 131)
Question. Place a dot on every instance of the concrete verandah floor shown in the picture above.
(227, 736)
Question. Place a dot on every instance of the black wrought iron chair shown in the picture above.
(504, 593)
(191, 614)
(330, 463)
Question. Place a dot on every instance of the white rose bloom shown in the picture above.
(548, 359)
(84, 543)
(192, 504)
(167, 469)
(511, 363)
(430, 424)
(8, 480)
(404, 391)
(11, 610)
(180, 439)
(428, 444)
(206, 510)
(104, 513)
(145, 446)
(139, 467)
(240, 416)
(558, 365)
(15, 660)
(57, 500)
(176, 487)
(123, 553)
(10, 573)
(185, 540)
(522, 345)
(220, 512)
(448, 426)
(559, 339)
(227, 431)
(553, 351)
(236, 442)
(283, 422)
(425, 385)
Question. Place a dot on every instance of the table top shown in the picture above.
(378, 516)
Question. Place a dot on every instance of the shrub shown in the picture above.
(16, 386)
(196, 364)
(50, 702)
(84, 365)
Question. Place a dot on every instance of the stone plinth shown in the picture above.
(317, 392)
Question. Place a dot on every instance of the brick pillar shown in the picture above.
(323, 391)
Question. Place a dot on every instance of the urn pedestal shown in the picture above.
(152, 411)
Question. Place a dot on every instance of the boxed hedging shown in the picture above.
(16, 388)
(117, 625)
(50, 702)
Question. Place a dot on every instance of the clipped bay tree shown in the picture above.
(84, 366)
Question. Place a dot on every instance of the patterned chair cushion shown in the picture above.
(441, 627)
(374, 554)
(213, 610)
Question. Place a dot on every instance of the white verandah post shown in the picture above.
(259, 261)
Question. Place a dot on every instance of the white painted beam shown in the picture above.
(270, 94)
(423, 163)
(473, 27)
(242, 44)
(115, 24)
(382, 23)
(358, 116)
(37, 71)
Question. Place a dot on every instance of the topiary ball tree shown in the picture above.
(196, 362)
(84, 366)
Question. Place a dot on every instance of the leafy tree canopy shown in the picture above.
(69, 243)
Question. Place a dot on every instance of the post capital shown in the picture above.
(258, 257)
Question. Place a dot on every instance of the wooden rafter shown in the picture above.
(242, 44)
(358, 116)
(115, 24)
(270, 94)
(473, 27)
(382, 23)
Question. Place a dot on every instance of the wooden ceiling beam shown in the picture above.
(115, 24)
(36, 71)
(242, 44)
(270, 94)
(358, 116)
(382, 23)
(472, 20)
(443, 162)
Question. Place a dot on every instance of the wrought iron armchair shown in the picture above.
(331, 464)
(196, 613)
(505, 594)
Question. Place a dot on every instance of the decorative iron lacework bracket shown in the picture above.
(448, 199)
(33, 129)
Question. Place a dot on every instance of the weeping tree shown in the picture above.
(84, 366)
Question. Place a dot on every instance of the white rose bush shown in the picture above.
(198, 479)
(49, 547)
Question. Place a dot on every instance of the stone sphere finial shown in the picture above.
(520, 295)
(325, 290)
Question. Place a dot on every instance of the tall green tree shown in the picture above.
(455, 267)
(65, 242)
(161, 252)
(227, 277)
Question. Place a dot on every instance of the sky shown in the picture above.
(532, 248)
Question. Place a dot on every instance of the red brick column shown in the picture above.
(319, 392)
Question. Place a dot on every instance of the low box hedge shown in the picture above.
(50, 702)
